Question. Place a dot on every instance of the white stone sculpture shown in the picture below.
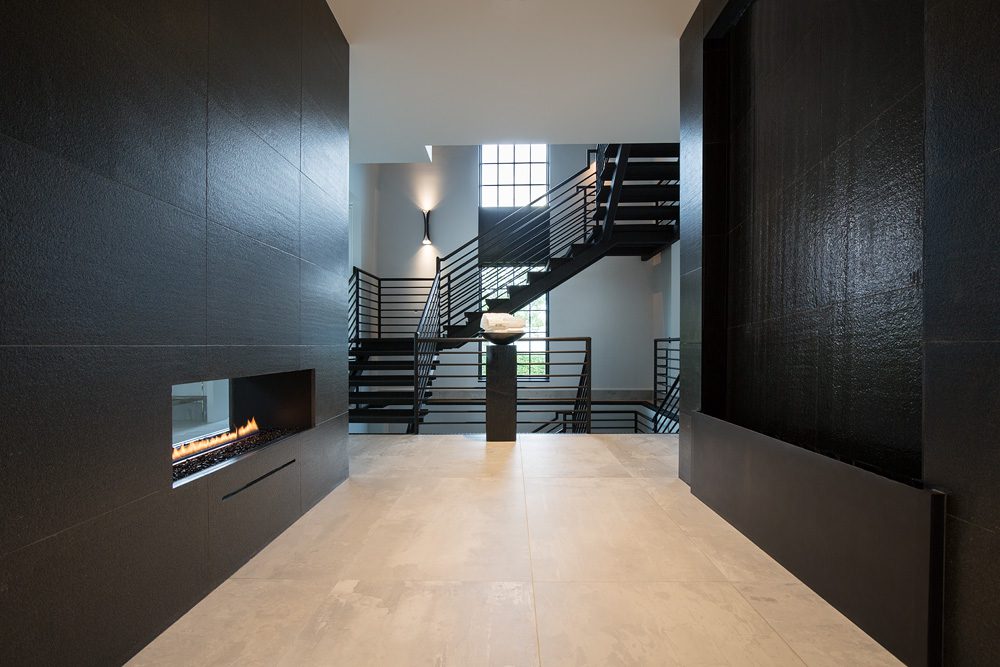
(501, 323)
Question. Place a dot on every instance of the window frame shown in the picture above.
(533, 195)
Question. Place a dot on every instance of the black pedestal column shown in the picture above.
(501, 393)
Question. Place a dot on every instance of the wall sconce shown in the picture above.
(427, 228)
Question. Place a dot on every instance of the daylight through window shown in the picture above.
(513, 175)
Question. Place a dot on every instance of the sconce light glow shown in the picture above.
(427, 228)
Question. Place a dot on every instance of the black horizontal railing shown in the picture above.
(385, 307)
(610, 416)
(666, 383)
(425, 349)
(638, 416)
(554, 376)
(523, 241)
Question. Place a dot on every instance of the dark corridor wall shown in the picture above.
(820, 262)
(962, 315)
(173, 208)
(960, 242)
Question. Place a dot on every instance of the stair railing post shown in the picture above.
(379, 290)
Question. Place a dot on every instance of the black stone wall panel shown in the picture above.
(253, 291)
(89, 261)
(825, 225)
(85, 430)
(251, 503)
(252, 188)
(112, 105)
(96, 593)
(255, 68)
(323, 452)
(323, 228)
(962, 252)
(330, 364)
(153, 233)
(963, 387)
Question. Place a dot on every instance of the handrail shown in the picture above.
(523, 240)
(609, 416)
(583, 395)
(666, 383)
(384, 307)
(621, 163)
(424, 351)
(453, 366)
(512, 214)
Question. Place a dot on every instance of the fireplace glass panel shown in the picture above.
(199, 409)
(217, 421)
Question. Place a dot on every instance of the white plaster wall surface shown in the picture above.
(453, 72)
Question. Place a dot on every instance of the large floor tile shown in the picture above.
(644, 455)
(435, 456)
(420, 623)
(653, 624)
(240, 623)
(693, 516)
(818, 633)
(447, 550)
(321, 543)
(568, 456)
(448, 529)
(739, 559)
(607, 530)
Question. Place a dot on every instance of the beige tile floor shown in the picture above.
(555, 550)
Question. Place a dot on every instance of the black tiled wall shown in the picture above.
(173, 208)
(819, 153)
(692, 131)
(962, 315)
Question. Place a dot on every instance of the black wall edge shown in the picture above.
(814, 515)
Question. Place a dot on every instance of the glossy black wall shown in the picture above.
(958, 301)
(173, 208)
(820, 267)
(962, 315)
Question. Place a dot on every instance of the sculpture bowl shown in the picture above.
(502, 337)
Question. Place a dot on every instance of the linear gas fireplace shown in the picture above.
(217, 421)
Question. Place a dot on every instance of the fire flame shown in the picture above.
(196, 446)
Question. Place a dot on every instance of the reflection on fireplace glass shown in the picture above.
(200, 410)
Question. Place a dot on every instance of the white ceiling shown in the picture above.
(452, 72)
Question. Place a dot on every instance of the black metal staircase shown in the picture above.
(624, 202)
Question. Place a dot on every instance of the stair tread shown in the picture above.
(369, 345)
(644, 171)
(382, 365)
(382, 380)
(665, 150)
(385, 412)
(633, 212)
(365, 396)
(641, 193)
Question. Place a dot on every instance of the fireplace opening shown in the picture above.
(217, 421)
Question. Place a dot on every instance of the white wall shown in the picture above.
(452, 72)
(611, 302)
(449, 188)
(622, 303)
(364, 202)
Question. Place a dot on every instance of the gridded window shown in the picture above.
(513, 175)
(532, 355)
